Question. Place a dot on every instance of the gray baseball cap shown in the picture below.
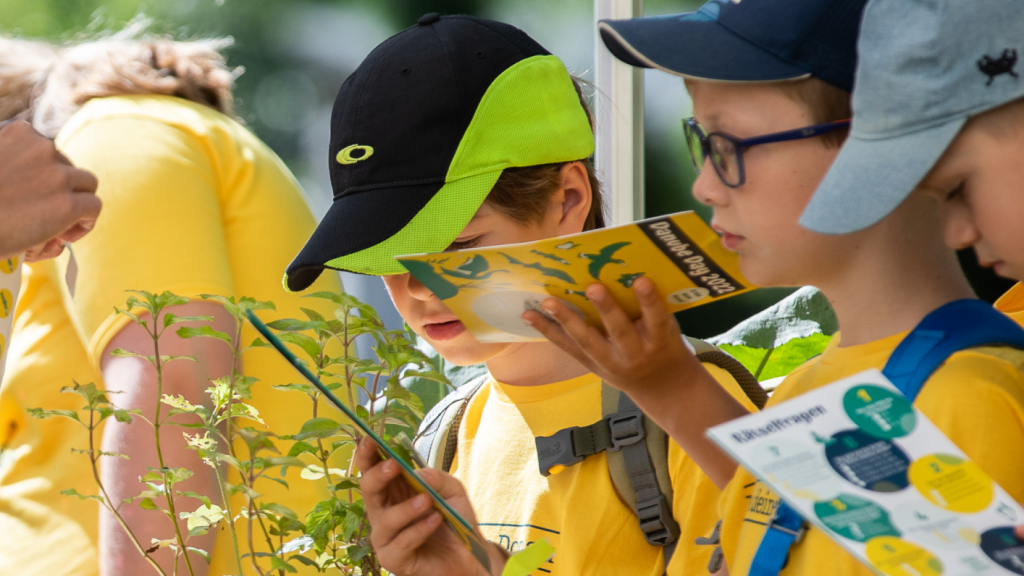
(924, 67)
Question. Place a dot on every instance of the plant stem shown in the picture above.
(93, 459)
(159, 453)
(231, 519)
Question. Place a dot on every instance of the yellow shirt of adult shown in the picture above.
(578, 510)
(976, 398)
(192, 203)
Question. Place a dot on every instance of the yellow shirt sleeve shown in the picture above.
(161, 227)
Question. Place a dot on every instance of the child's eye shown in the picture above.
(956, 194)
(463, 245)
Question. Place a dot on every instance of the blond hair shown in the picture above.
(46, 84)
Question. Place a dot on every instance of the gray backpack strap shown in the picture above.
(438, 436)
(637, 449)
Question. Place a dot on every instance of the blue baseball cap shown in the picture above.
(751, 41)
(925, 69)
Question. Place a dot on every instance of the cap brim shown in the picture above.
(364, 232)
(693, 45)
(870, 178)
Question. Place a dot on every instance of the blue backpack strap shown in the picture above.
(949, 329)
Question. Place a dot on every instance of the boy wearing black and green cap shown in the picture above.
(463, 132)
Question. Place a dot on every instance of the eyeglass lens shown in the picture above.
(722, 151)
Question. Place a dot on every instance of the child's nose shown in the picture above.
(708, 187)
(417, 290)
(959, 229)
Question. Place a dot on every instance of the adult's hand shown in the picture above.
(44, 200)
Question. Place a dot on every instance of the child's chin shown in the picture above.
(467, 353)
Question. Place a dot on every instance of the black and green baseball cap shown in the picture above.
(422, 130)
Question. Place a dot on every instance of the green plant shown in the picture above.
(333, 534)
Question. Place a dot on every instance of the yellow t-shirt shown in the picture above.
(192, 203)
(1012, 303)
(10, 287)
(577, 509)
(976, 398)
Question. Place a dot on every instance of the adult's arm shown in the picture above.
(136, 381)
(44, 200)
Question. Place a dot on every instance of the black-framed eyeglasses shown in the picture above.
(726, 150)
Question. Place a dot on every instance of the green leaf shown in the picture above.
(259, 343)
(277, 564)
(313, 315)
(302, 544)
(346, 484)
(279, 510)
(148, 504)
(170, 319)
(300, 448)
(196, 332)
(241, 410)
(293, 325)
(42, 414)
(123, 415)
(357, 553)
(305, 388)
(350, 525)
(73, 492)
(114, 454)
(314, 472)
(203, 553)
(320, 522)
(204, 518)
(318, 428)
(308, 345)
(122, 353)
(190, 494)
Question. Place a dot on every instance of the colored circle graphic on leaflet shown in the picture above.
(867, 461)
(6, 303)
(8, 265)
(895, 557)
(879, 412)
(952, 483)
(1003, 548)
(855, 518)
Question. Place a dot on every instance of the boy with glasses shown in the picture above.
(782, 68)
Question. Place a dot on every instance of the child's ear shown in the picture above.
(577, 197)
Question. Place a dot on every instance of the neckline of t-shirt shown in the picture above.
(545, 392)
(1013, 300)
(836, 354)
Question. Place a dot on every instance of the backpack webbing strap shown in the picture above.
(652, 508)
(956, 326)
(438, 435)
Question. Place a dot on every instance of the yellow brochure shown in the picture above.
(490, 288)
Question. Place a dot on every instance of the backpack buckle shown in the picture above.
(656, 521)
(556, 450)
(797, 534)
(625, 429)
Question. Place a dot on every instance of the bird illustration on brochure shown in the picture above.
(489, 288)
(859, 461)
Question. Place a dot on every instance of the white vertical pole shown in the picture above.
(619, 111)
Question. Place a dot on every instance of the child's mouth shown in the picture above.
(442, 331)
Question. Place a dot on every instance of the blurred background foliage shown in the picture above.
(296, 54)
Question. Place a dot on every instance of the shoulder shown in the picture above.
(144, 111)
(978, 376)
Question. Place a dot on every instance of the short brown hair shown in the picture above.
(523, 194)
(827, 103)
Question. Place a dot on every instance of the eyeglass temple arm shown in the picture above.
(797, 134)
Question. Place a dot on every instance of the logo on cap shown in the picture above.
(354, 153)
(993, 67)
